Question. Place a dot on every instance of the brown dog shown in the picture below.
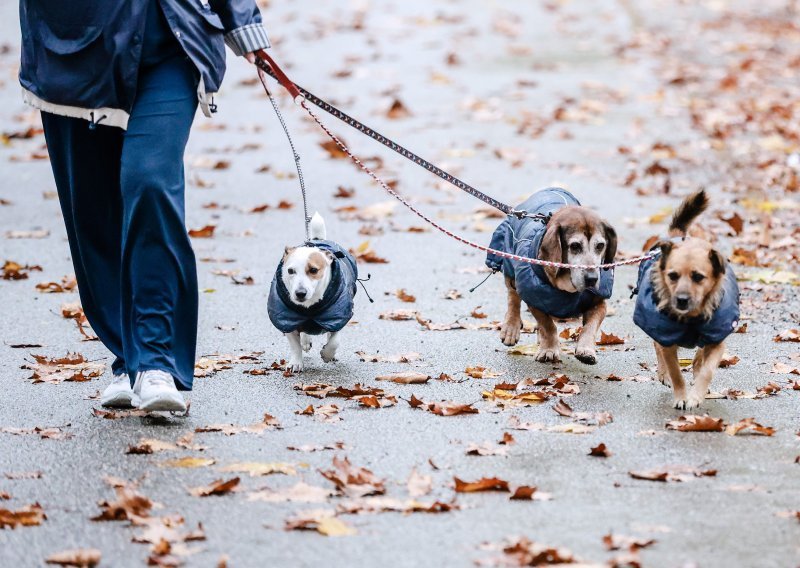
(687, 298)
(571, 234)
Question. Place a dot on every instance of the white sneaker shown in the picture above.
(155, 390)
(119, 393)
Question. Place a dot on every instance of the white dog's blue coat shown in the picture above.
(334, 309)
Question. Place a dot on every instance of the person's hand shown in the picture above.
(251, 57)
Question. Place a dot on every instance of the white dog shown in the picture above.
(312, 293)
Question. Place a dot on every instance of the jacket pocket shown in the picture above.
(67, 39)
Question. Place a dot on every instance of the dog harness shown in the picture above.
(695, 332)
(523, 237)
(332, 312)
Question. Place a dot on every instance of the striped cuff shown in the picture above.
(247, 39)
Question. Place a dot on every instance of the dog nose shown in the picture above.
(590, 280)
(301, 294)
(682, 302)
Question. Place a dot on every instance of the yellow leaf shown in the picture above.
(189, 462)
(660, 216)
(331, 526)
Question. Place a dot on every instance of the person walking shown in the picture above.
(118, 85)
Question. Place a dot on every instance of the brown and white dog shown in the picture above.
(575, 235)
(312, 294)
(688, 297)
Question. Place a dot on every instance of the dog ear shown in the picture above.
(551, 248)
(611, 243)
(666, 248)
(287, 251)
(331, 257)
(717, 262)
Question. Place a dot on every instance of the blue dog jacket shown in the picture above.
(523, 237)
(335, 308)
(696, 332)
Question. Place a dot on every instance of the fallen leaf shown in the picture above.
(404, 296)
(256, 469)
(218, 487)
(523, 493)
(600, 451)
(353, 481)
(479, 372)
(323, 521)
(189, 462)
(791, 335)
(609, 339)
(297, 493)
(749, 426)
(81, 558)
(150, 446)
(617, 542)
(73, 367)
(203, 233)
(483, 484)
(30, 516)
(418, 485)
(694, 423)
(405, 378)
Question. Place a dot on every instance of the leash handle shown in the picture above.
(278, 73)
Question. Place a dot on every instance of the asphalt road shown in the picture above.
(512, 61)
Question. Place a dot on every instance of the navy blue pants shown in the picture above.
(122, 197)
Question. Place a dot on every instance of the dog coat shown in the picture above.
(332, 312)
(696, 332)
(523, 237)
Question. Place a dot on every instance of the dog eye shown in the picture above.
(600, 246)
(290, 270)
(697, 277)
(313, 270)
(575, 247)
(674, 276)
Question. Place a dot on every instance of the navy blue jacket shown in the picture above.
(523, 237)
(697, 332)
(335, 308)
(83, 55)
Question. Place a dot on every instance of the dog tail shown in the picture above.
(316, 227)
(687, 211)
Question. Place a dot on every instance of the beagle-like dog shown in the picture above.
(557, 229)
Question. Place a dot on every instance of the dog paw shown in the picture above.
(548, 356)
(680, 403)
(328, 355)
(509, 333)
(305, 342)
(586, 355)
(295, 366)
(664, 380)
(694, 401)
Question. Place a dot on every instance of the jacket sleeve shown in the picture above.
(244, 31)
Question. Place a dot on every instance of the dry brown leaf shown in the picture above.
(30, 516)
(73, 367)
(600, 451)
(257, 469)
(404, 296)
(398, 315)
(203, 233)
(80, 558)
(791, 335)
(218, 487)
(483, 484)
(695, 423)
(188, 462)
(609, 339)
(405, 378)
(353, 481)
(478, 372)
(397, 110)
(419, 485)
(749, 426)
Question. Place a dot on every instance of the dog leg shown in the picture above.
(328, 351)
(305, 342)
(584, 350)
(296, 355)
(509, 331)
(663, 374)
(704, 372)
(670, 357)
(549, 349)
